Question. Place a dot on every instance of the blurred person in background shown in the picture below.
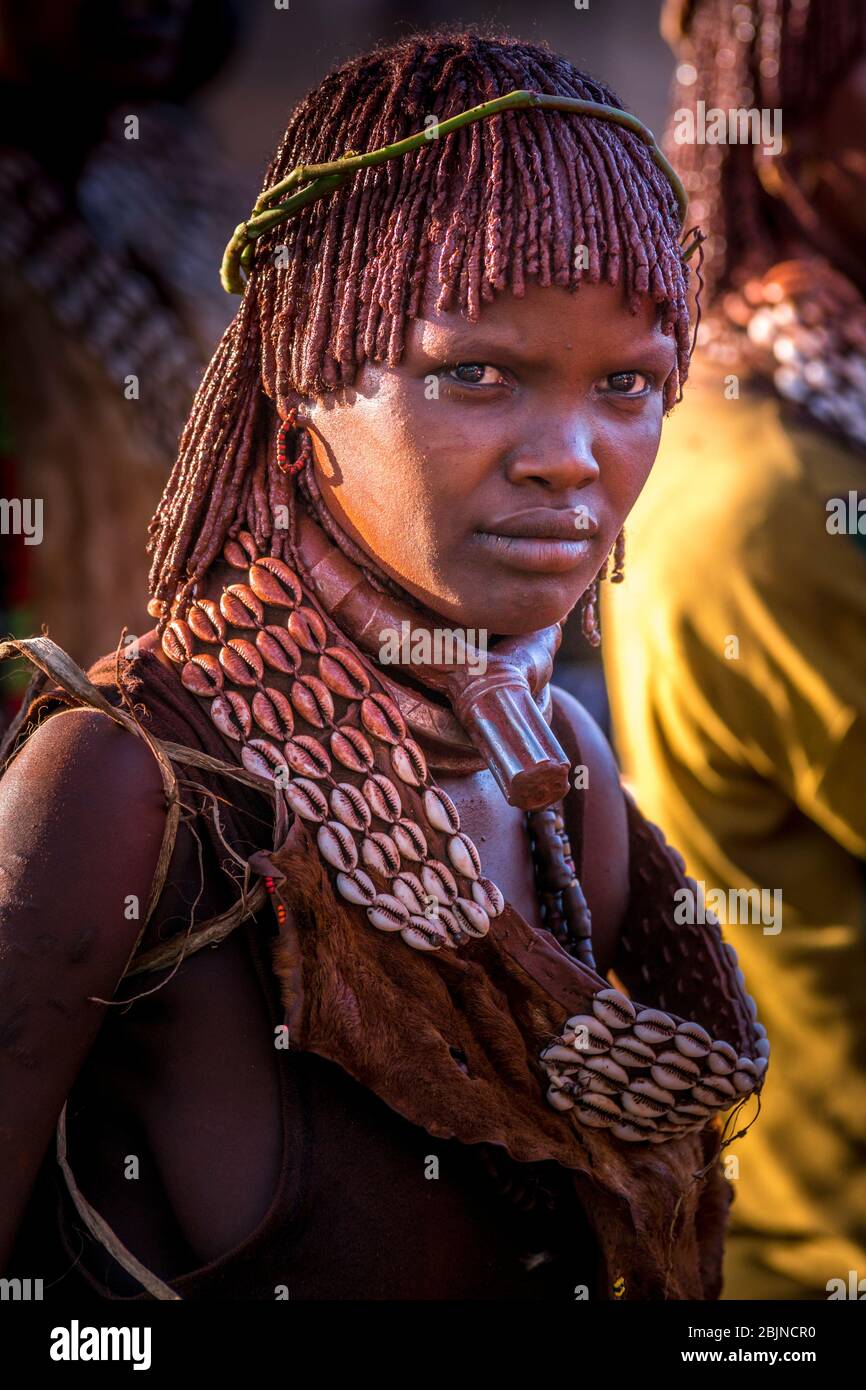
(112, 203)
(736, 650)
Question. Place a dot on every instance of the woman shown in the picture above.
(414, 421)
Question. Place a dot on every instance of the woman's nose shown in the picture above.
(559, 459)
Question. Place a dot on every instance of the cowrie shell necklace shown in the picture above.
(337, 747)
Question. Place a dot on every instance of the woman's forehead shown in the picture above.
(550, 318)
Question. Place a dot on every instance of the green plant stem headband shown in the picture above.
(324, 178)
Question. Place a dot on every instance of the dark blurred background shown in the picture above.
(284, 52)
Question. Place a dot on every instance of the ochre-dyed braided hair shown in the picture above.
(512, 198)
(764, 54)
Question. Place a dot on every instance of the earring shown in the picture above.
(589, 613)
(589, 602)
(618, 559)
(302, 458)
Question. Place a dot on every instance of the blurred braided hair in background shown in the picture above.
(512, 198)
(742, 54)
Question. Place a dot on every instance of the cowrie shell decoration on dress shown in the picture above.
(390, 838)
(644, 1074)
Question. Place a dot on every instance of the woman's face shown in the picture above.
(491, 471)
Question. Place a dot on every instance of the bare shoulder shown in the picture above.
(81, 754)
(82, 812)
(604, 865)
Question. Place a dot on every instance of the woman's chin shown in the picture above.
(508, 604)
(525, 604)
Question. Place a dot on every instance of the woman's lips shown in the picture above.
(543, 541)
(539, 556)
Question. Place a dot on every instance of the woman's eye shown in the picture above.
(628, 383)
(475, 374)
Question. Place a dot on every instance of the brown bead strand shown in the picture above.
(563, 906)
(589, 608)
(589, 615)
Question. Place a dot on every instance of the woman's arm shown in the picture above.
(82, 813)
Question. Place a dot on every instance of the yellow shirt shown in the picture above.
(735, 655)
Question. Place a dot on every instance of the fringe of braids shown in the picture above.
(511, 198)
(763, 54)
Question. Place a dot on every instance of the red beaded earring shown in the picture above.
(305, 453)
